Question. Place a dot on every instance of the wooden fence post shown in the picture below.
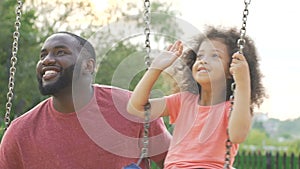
(284, 160)
(299, 161)
(269, 160)
(260, 159)
(292, 160)
(278, 163)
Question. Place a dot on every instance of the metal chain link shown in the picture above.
(240, 43)
(13, 61)
(147, 20)
(145, 149)
(228, 142)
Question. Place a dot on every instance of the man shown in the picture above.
(82, 125)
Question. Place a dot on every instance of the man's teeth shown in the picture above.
(48, 72)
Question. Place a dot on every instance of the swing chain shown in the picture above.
(240, 43)
(145, 149)
(144, 153)
(147, 20)
(13, 61)
(228, 142)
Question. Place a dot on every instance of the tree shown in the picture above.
(126, 38)
(256, 137)
(41, 18)
(295, 146)
(28, 44)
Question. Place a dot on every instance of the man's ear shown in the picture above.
(88, 66)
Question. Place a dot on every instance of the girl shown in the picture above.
(203, 117)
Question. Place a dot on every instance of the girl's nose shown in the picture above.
(203, 60)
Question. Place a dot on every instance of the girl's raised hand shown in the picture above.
(167, 57)
(239, 68)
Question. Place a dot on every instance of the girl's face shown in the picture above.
(212, 63)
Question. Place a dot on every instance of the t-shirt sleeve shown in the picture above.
(9, 151)
(173, 104)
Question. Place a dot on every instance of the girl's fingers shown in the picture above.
(169, 47)
(177, 48)
(176, 45)
(238, 56)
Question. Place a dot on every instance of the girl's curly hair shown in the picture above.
(229, 37)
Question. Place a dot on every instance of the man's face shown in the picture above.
(56, 65)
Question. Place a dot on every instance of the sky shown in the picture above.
(274, 27)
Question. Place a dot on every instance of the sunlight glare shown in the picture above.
(100, 5)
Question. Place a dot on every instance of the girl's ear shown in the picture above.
(229, 76)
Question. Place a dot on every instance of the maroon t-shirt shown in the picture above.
(100, 135)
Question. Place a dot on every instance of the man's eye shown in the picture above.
(60, 52)
(43, 55)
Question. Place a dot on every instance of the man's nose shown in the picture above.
(49, 59)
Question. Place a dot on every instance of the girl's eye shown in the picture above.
(199, 57)
(215, 55)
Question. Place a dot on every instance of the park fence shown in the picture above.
(268, 160)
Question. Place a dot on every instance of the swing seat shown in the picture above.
(132, 166)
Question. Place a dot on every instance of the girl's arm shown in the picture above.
(141, 93)
(241, 115)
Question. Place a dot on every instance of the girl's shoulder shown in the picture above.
(185, 94)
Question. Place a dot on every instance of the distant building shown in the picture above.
(260, 117)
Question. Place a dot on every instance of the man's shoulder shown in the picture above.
(28, 117)
(102, 86)
(110, 89)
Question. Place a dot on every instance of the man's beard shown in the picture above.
(62, 82)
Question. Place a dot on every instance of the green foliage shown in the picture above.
(123, 66)
(273, 135)
(1, 131)
(256, 137)
(114, 45)
(111, 61)
(294, 147)
(290, 127)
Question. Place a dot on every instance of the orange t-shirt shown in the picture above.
(199, 135)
